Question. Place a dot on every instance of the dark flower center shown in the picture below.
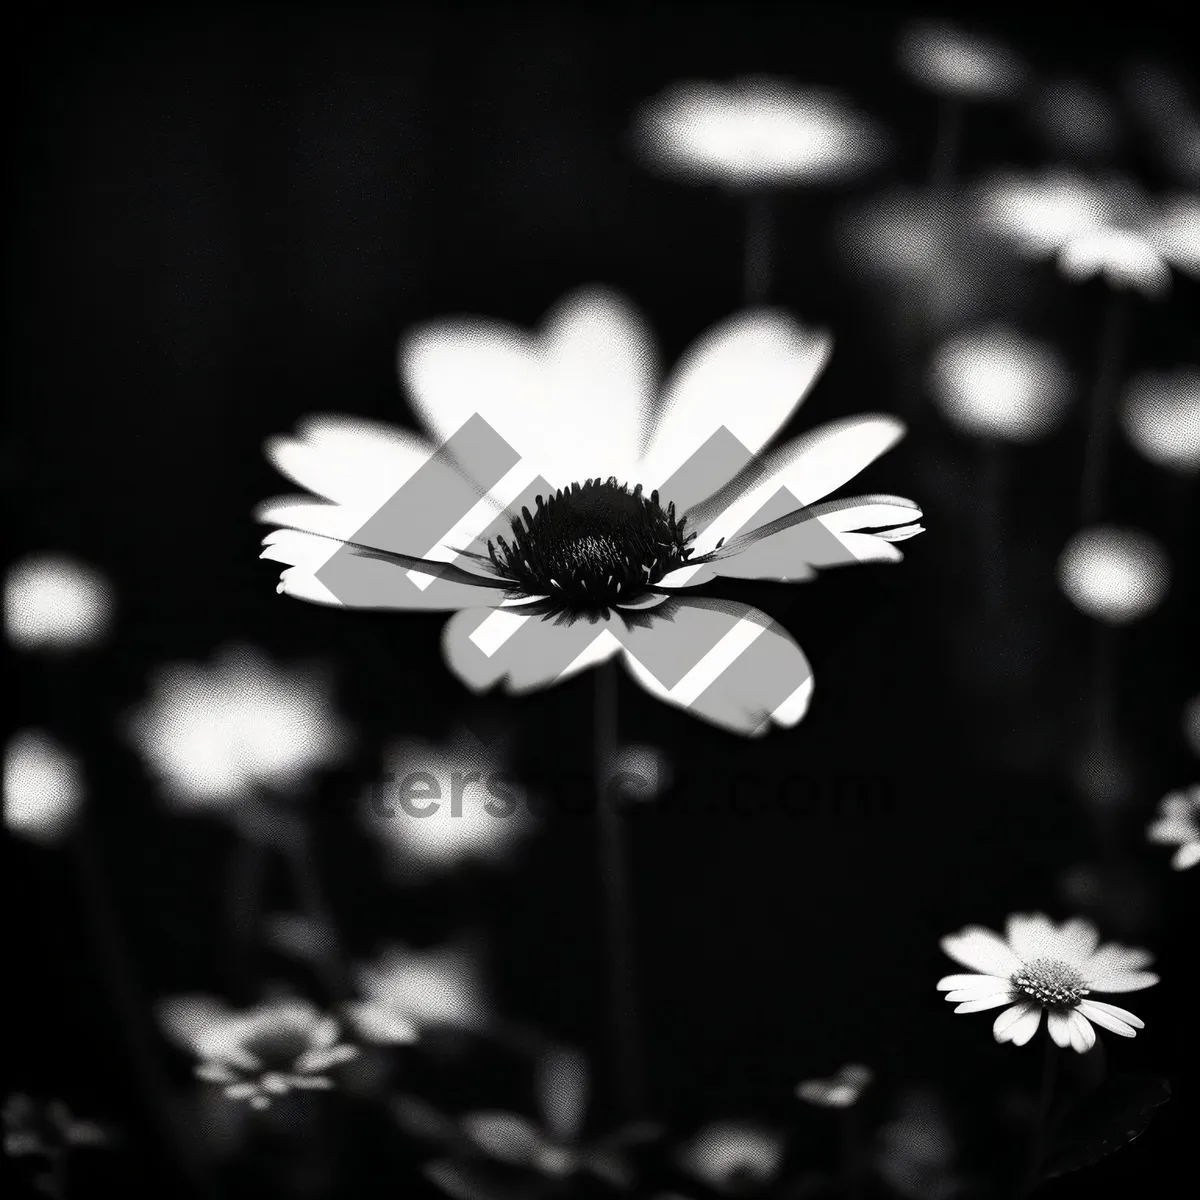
(1050, 982)
(278, 1047)
(592, 546)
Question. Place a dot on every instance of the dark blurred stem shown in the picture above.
(991, 524)
(247, 881)
(947, 144)
(618, 913)
(756, 267)
(1100, 414)
(1102, 724)
(1041, 1130)
(314, 903)
(127, 999)
(851, 1165)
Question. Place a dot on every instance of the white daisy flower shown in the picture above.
(216, 734)
(954, 62)
(1161, 417)
(754, 132)
(55, 602)
(1178, 824)
(1039, 968)
(842, 1091)
(282, 1045)
(1107, 228)
(1114, 574)
(408, 990)
(566, 436)
(733, 1156)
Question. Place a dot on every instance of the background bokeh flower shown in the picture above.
(215, 733)
(56, 602)
(755, 132)
(1178, 824)
(1161, 417)
(43, 786)
(1113, 573)
(951, 60)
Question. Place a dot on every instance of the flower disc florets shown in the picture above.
(1051, 982)
(592, 546)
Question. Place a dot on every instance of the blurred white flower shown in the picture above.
(48, 1129)
(1161, 417)
(1190, 723)
(842, 1091)
(1039, 968)
(997, 382)
(1114, 574)
(733, 1156)
(551, 1152)
(947, 59)
(55, 602)
(915, 1151)
(1178, 824)
(1107, 228)
(437, 807)
(214, 734)
(642, 772)
(754, 132)
(1075, 117)
(43, 786)
(278, 1046)
(406, 991)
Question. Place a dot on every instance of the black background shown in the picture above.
(223, 220)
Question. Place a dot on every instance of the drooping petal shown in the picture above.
(325, 571)
(746, 376)
(1007, 1019)
(1022, 1029)
(570, 398)
(723, 661)
(807, 469)
(981, 950)
(1059, 1026)
(524, 652)
(953, 982)
(1106, 1016)
(1083, 1036)
(982, 1005)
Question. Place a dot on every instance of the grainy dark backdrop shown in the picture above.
(223, 220)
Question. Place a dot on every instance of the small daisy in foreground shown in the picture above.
(1038, 967)
(576, 505)
(279, 1046)
(1178, 824)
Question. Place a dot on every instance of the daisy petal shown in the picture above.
(524, 652)
(1083, 1036)
(331, 572)
(953, 982)
(982, 1005)
(982, 950)
(1008, 1018)
(505, 1136)
(1078, 939)
(1112, 1010)
(1059, 1026)
(1186, 857)
(746, 377)
(1121, 981)
(1104, 1020)
(1031, 935)
(722, 661)
(1025, 1027)
(808, 468)
(1115, 957)
(1000, 988)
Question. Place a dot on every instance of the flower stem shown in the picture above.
(991, 524)
(247, 879)
(851, 1166)
(1041, 1130)
(1095, 452)
(756, 265)
(618, 914)
(947, 144)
